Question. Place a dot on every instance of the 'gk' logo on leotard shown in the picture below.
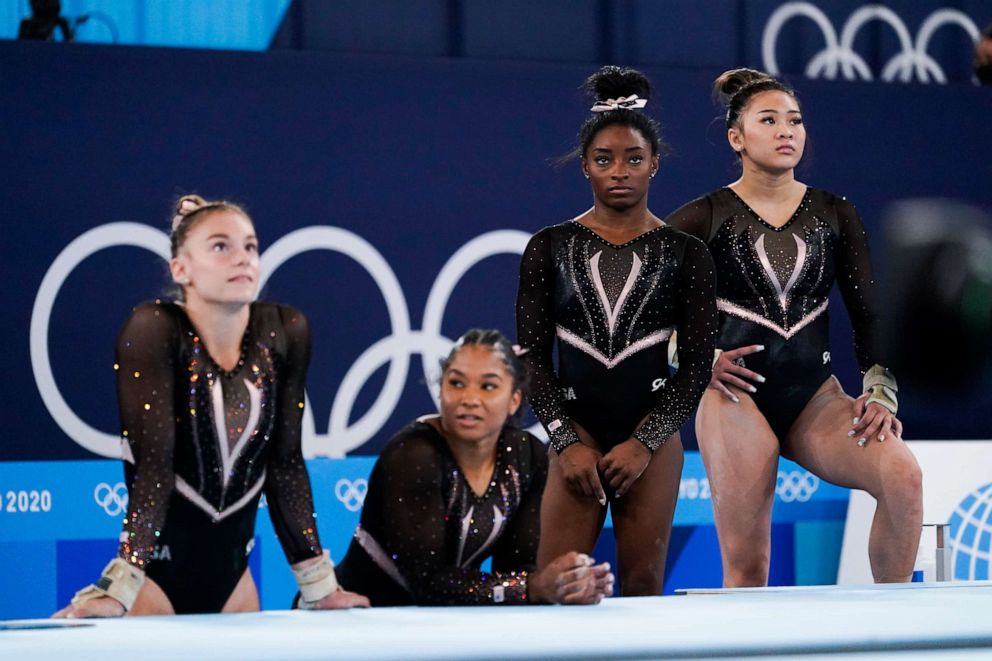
(658, 384)
(826, 357)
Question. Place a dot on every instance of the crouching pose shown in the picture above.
(450, 490)
(211, 392)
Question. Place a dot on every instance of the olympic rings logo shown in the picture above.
(396, 349)
(838, 54)
(796, 486)
(113, 499)
(351, 494)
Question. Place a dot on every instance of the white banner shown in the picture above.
(957, 490)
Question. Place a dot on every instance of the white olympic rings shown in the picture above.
(838, 55)
(796, 486)
(113, 499)
(396, 349)
(351, 493)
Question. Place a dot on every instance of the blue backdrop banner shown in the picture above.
(69, 513)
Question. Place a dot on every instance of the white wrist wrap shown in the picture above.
(881, 385)
(120, 580)
(316, 581)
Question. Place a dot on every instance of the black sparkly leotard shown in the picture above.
(201, 444)
(613, 309)
(424, 533)
(774, 286)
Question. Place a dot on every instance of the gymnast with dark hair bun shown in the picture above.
(453, 489)
(211, 392)
(611, 286)
(779, 246)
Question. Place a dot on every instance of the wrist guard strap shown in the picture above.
(882, 388)
(120, 580)
(316, 581)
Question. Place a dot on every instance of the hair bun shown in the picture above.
(613, 82)
(733, 81)
(186, 205)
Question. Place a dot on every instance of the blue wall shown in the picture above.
(413, 159)
(933, 41)
(681, 33)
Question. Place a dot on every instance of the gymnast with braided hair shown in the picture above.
(611, 286)
(211, 392)
(779, 246)
(450, 490)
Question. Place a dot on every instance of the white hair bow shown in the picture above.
(630, 102)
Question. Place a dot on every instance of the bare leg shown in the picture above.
(151, 601)
(888, 471)
(642, 521)
(244, 598)
(740, 453)
(569, 522)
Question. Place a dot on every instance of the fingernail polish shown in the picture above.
(761, 347)
(736, 400)
(856, 420)
(752, 389)
(862, 440)
(850, 433)
(602, 501)
(881, 439)
(761, 379)
(861, 443)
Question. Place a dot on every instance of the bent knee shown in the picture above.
(903, 481)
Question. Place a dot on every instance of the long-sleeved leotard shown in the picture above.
(424, 533)
(774, 287)
(613, 309)
(201, 444)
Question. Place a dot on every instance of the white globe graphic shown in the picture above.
(971, 536)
